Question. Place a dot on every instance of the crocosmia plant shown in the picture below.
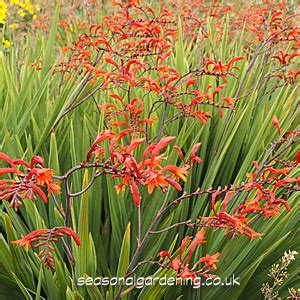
(149, 149)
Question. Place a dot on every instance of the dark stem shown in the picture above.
(139, 226)
(145, 238)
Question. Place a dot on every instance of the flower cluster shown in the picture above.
(237, 207)
(126, 117)
(25, 7)
(149, 172)
(28, 183)
(182, 266)
(279, 274)
(14, 13)
(263, 197)
(44, 238)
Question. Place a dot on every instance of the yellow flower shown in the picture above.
(29, 8)
(3, 6)
(37, 7)
(13, 26)
(21, 12)
(6, 43)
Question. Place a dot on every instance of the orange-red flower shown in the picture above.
(29, 179)
(44, 238)
(210, 260)
(182, 267)
(149, 172)
(203, 116)
(276, 124)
